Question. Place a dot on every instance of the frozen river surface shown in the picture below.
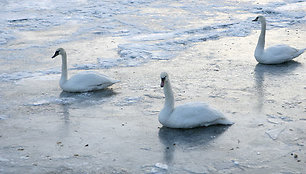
(207, 48)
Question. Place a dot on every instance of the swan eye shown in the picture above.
(163, 78)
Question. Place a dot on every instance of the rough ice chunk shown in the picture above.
(274, 133)
(285, 118)
(41, 102)
(4, 117)
(236, 163)
(161, 166)
(24, 157)
(272, 121)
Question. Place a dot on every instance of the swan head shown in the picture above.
(259, 18)
(59, 51)
(164, 78)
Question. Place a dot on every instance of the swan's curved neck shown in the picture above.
(169, 101)
(64, 75)
(261, 40)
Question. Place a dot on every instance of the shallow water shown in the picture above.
(206, 47)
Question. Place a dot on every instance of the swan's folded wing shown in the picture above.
(87, 81)
(280, 53)
(194, 114)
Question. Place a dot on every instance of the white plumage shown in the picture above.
(275, 54)
(189, 115)
(82, 82)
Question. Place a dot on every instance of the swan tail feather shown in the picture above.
(115, 81)
(222, 121)
(301, 51)
(225, 121)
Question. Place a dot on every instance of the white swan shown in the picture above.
(82, 82)
(189, 115)
(275, 54)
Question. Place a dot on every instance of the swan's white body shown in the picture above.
(189, 115)
(82, 82)
(275, 54)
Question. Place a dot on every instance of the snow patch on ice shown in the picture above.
(4, 159)
(129, 101)
(297, 8)
(161, 166)
(102, 63)
(7, 77)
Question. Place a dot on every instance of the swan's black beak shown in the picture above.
(55, 54)
(255, 19)
(162, 82)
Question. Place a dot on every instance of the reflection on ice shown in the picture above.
(95, 95)
(266, 71)
(87, 98)
(66, 98)
(187, 138)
